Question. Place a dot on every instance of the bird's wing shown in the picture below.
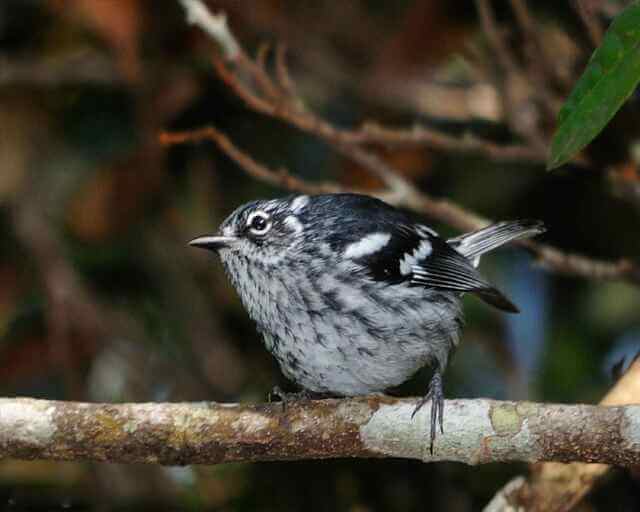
(418, 256)
(391, 261)
(447, 269)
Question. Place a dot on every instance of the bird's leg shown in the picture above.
(287, 398)
(436, 396)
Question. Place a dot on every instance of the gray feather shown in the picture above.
(475, 244)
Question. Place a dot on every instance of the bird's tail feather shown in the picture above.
(475, 244)
(497, 299)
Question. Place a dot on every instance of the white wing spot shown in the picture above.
(419, 253)
(299, 203)
(368, 245)
(424, 230)
(293, 223)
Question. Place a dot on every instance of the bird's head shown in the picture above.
(262, 232)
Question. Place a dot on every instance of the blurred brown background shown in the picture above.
(101, 299)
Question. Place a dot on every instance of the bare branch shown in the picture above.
(262, 94)
(402, 193)
(494, 37)
(588, 12)
(77, 68)
(533, 38)
(579, 265)
(289, 111)
(282, 71)
(514, 87)
(541, 68)
(372, 133)
(555, 487)
(214, 25)
(280, 177)
(476, 431)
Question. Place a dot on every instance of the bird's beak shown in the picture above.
(213, 243)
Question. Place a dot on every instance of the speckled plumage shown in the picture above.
(351, 295)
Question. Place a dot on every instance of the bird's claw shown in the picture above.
(436, 397)
(287, 398)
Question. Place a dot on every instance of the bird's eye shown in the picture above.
(259, 223)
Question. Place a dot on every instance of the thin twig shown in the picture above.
(370, 133)
(275, 102)
(287, 109)
(215, 26)
(505, 58)
(282, 71)
(533, 38)
(518, 109)
(78, 68)
(401, 193)
(278, 177)
(541, 67)
(587, 10)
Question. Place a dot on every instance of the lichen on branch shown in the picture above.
(475, 431)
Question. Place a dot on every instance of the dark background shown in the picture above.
(102, 300)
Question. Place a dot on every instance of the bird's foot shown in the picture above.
(287, 398)
(436, 397)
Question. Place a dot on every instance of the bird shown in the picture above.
(352, 295)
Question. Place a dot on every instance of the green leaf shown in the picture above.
(611, 76)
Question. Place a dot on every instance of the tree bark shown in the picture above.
(553, 487)
(475, 431)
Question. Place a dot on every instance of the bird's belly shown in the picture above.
(345, 335)
(361, 367)
(362, 346)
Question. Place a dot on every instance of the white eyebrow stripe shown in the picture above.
(368, 245)
(299, 203)
(410, 259)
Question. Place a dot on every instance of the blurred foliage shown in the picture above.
(101, 299)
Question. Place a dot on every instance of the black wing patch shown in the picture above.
(443, 268)
(384, 265)
(447, 269)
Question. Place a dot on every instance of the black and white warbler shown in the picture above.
(351, 294)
